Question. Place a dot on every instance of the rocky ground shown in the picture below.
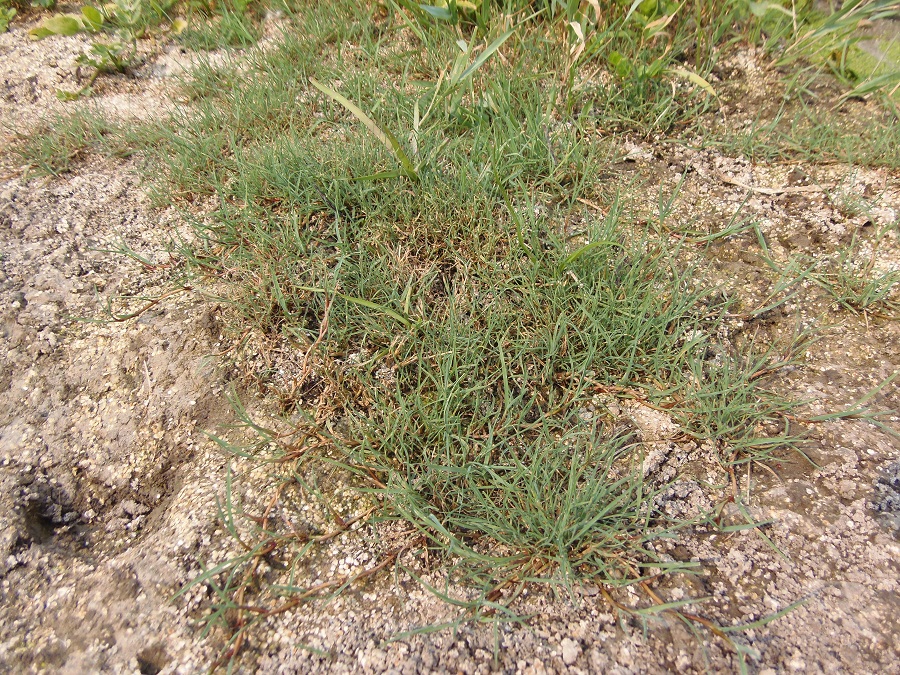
(109, 486)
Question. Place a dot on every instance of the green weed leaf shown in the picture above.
(620, 63)
(441, 13)
(631, 10)
(7, 14)
(63, 24)
(92, 19)
(39, 33)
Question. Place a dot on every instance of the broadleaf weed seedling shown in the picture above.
(126, 20)
(114, 57)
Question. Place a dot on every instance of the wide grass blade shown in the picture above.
(383, 135)
(485, 55)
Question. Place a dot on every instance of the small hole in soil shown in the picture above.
(152, 660)
(40, 528)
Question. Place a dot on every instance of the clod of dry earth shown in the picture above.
(108, 486)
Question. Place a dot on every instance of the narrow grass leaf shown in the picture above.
(675, 604)
(363, 303)
(872, 85)
(766, 619)
(381, 175)
(572, 257)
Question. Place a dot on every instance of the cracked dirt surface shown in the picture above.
(108, 485)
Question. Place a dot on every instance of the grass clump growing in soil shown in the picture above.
(66, 138)
(407, 198)
(228, 24)
(850, 277)
(797, 131)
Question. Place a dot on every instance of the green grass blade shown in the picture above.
(381, 175)
(872, 85)
(363, 303)
(384, 136)
(572, 257)
(765, 620)
(485, 55)
(675, 604)
(381, 308)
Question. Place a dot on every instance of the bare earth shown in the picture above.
(108, 484)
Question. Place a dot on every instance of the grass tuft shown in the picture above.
(67, 138)
(464, 321)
